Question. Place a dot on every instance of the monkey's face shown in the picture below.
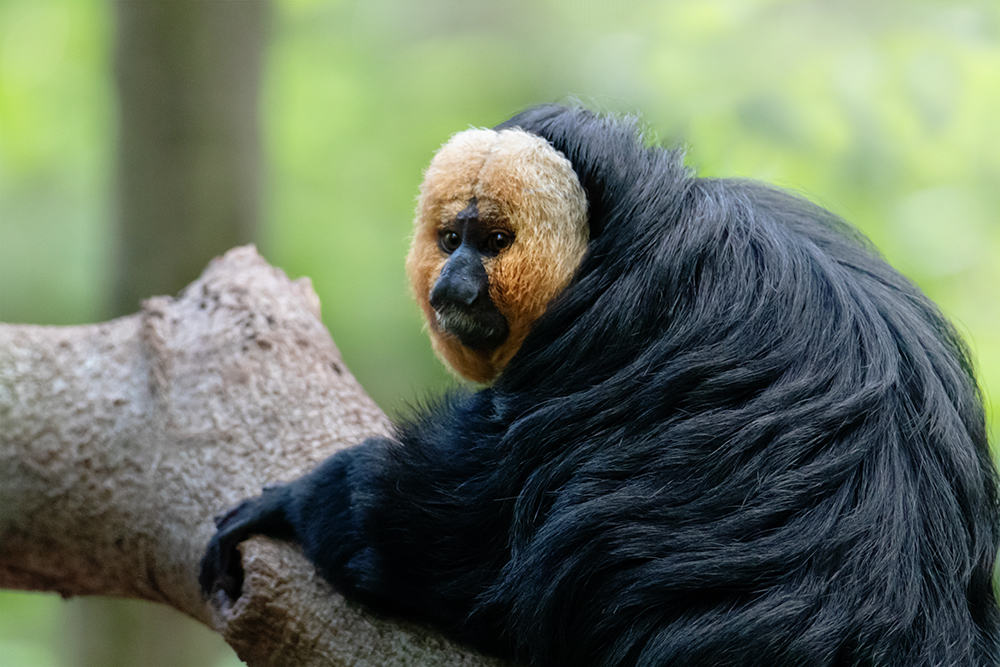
(501, 228)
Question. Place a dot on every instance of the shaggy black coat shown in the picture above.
(738, 438)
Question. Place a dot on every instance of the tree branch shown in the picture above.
(120, 441)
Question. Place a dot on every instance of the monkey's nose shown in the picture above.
(459, 291)
(462, 280)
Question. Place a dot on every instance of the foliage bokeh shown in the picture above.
(885, 111)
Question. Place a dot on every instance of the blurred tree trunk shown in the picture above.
(188, 75)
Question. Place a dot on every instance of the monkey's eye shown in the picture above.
(450, 241)
(498, 241)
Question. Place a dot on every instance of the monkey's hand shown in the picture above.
(221, 566)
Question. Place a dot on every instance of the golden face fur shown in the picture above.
(521, 186)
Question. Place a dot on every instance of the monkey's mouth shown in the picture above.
(476, 330)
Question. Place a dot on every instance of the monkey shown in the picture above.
(713, 427)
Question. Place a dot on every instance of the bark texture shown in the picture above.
(120, 441)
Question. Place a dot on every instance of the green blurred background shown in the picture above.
(886, 112)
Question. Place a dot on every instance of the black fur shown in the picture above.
(738, 438)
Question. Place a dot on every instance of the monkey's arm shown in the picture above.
(315, 511)
(397, 525)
